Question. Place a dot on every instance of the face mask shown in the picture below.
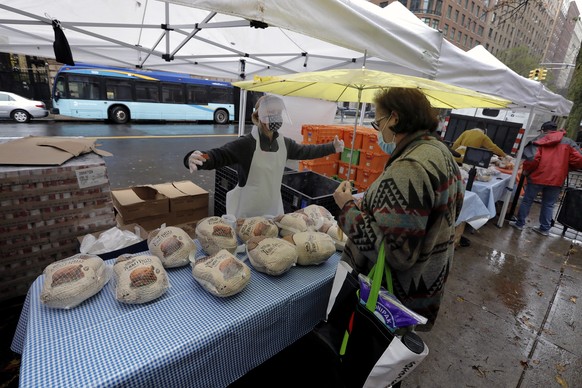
(274, 126)
(386, 147)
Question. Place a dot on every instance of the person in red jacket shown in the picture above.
(553, 156)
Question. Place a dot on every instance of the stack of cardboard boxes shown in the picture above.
(150, 206)
(43, 210)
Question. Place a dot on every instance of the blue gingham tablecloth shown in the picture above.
(185, 338)
(492, 191)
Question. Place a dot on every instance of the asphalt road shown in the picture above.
(145, 153)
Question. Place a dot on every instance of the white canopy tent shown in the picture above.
(191, 37)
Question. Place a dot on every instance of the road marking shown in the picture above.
(154, 137)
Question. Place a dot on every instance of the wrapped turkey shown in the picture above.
(139, 279)
(255, 226)
(271, 255)
(318, 214)
(171, 245)
(313, 248)
(221, 274)
(335, 232)
(70, 281)
(292, 223)
(215, 234)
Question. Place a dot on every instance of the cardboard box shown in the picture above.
(140, 201)
(184, 196)
(170, 219)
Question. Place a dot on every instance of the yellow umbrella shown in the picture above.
(360, 85)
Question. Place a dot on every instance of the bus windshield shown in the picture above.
(120, 95)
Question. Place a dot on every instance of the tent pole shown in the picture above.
(242, 112)
(354, 134)
(511, 184)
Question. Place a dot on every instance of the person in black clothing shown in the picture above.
(259, 158)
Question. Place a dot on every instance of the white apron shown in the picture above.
(262, 193)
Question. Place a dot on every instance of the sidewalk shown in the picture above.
(510, 315)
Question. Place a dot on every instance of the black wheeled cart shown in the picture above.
(569, 214)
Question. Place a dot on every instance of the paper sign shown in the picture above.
(89, 177)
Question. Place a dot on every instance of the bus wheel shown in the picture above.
(221, 116)
(20, 116)
(119, 115)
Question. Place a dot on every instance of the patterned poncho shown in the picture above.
(413, 206)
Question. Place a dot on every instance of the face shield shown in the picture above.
(272, 112)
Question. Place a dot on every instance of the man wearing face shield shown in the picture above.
(259, 158)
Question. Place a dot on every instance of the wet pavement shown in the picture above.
(510, 317)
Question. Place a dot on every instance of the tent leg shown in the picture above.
(242, 112)
(511, 183)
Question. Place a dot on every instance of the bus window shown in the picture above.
(60, 90)
(197, 94)
(118, 89)
(173, 93)
(220, 95)
(147, 92)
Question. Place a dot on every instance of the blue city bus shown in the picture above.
(120, 95)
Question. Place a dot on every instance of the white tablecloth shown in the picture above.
(473, 212)
(492, 191)
(186, 338)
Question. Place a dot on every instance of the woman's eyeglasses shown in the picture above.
(376, 123)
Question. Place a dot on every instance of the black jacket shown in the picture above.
(239, 153)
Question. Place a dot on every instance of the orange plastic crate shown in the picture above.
(342, 171)
(349, 134)
(366, 176)
(321, 134)
(373, 160)
(370, 141)
(326, 168)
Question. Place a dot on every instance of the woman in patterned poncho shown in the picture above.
(412, 205)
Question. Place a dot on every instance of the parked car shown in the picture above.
(352, 112)
(21, 109)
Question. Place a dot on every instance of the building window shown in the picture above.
(446, 30)
(472, 6)
(383, 4)
(439, 7)
(463, 20)
(465, 40)
(480, 31)
(456, 16)
(435, 24)
(459, 35)
(429, 6)
(426, 21)
(452, 36)
(449, 11)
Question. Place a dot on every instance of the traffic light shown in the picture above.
(532, 74)
(543, 74)
(537, 74)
